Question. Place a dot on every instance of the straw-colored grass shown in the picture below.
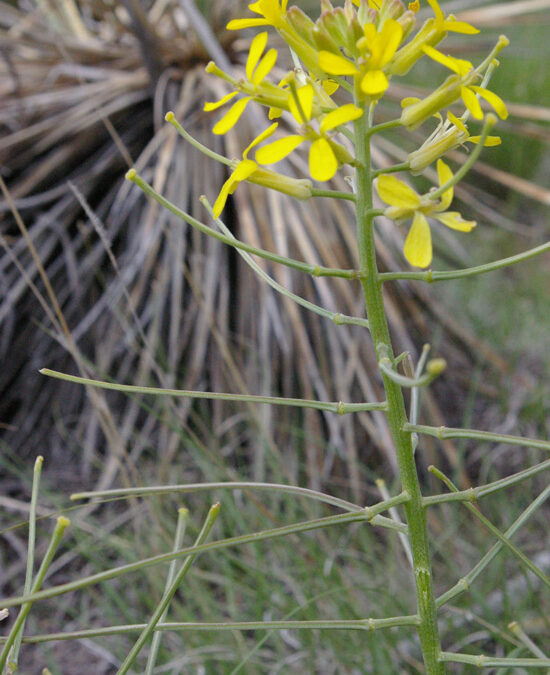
(143, 299)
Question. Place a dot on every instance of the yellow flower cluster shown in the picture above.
(354, 50)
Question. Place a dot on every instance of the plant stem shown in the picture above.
(368, 625)
(397, 417)
(369, 515)
(60, 527)
(448, 432)
(337, 407)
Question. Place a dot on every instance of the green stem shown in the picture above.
(496, 532)
(321, 311)
(30, 554)
(333, 194)
(473, 494)
(181, 526)
(60, 527)
(314, 270)
(464, 584)
(169, 594)
(124, 493)
(171, 119)
(482, 661)
(447, 432)
(488, 124)
(395, 168)
(397, 416)
(340, 408)
(368, 625)
(369, 515)
(448, 275)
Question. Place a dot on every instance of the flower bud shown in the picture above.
(435, 148)
(408, 55)
(341, 153)
(366, 14)
(407, 21)
(300, 188)
(446, 94)
(390, 9)
(301, 23)
(337, 25)
(323, 40)
(435, 367)
(307, 53)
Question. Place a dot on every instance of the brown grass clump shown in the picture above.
(138, 297)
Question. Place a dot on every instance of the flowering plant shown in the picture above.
(344, 65)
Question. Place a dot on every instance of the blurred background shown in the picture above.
(97, 280)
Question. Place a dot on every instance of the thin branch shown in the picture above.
(446, 432)
(122, 493)
(369, 516)
(339, 408)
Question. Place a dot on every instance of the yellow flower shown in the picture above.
(271, 11)
(376, 51)
(248, 170)
(448, 135)
(450, 24)
(257, 69)
(405, 203)
(468, 90)
(324, 155)
(432, 32)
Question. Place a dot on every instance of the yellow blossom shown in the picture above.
(431, 33)
(323, 153)
(248, 170)
(448, 135)
(377, 49)
(405, 204)
(257, 69)
(272, 13)
(468, 90)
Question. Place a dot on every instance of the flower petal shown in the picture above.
(256, 50)
(330, 86)
(242, 171)
(388, 41)
(418, 244)
(459, 124)
(455, 221)
(279, 149)
(264, 67)
(322, 161)
(490, 141)
(493, 100)
(261, 137)
(444, 174)
(231, 117)
(305, 99)
(240, 24)
(218, 104)
(221, 199)
(438, 12)
(459, 66)
(460, 27)
(396, 193)
(333, 64)
(374, 83)
(471, 102)
(269, 9)
(342, 115)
